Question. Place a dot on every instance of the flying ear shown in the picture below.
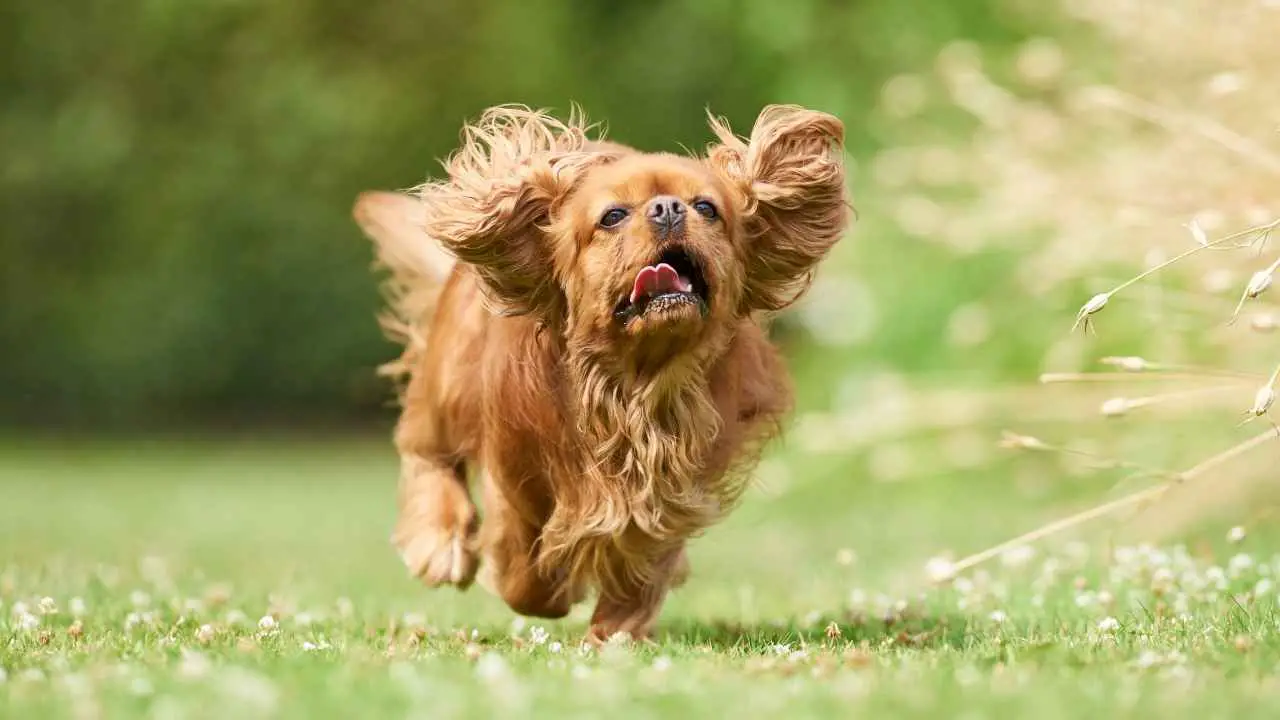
(514, 167)
(790, 184)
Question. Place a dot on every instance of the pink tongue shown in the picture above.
(655, 280)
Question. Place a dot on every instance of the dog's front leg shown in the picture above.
(634, 610)
(510, 539)
(437, 523)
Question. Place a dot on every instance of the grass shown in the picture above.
(159, 561)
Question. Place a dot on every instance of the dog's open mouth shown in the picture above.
(675, 280)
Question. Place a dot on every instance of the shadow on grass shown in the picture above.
(914, 631)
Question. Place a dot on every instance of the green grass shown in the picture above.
(158, 540)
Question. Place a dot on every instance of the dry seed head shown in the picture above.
(940, 570)
(1091, 308)
(1263, 400)
(1198, 233)
(1263, 322)
(1014, 441)
(1116, 406)
(1128, 363)
(1259, 283)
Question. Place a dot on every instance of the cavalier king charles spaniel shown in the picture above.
(584, 330)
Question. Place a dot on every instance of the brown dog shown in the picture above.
(584, 322)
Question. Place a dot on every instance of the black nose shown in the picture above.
(667, 213)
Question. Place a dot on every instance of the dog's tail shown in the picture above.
(417, 267)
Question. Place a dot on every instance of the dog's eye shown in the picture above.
(706, 209)
(612, 217)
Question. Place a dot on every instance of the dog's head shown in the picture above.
(637, 258)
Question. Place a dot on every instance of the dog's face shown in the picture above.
(640, 258)
(648, 252)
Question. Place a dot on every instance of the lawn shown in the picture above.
(237, 578)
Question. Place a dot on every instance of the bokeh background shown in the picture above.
(180, 274)
(178, 250)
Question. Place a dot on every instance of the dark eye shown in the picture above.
(706, 209)
(612, 217)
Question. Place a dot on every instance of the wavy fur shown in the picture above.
(606, 444)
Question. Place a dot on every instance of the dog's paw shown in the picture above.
(438, 545)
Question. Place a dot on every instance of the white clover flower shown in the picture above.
(131, 621)
(47, 606)
(77, 607)
(1264, 587)
(1240, 564)
(267, 623)
(517, 625)
(249, 688)
(1108, 624)
(139, 599)
(345, 607)
(28, 622)
(1236, 535)
(662, 663)
(205, 634)
(999, 617)
(555, 648)
(1148, 658)
(1216, 577)
(491, 667)
(193, 665)
(538, 635)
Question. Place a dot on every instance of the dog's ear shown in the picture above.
(514, 167)
(790, 185)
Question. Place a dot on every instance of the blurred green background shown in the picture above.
(176, 180)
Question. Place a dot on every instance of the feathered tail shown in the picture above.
(417, 265)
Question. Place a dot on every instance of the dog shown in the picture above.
(584, 331)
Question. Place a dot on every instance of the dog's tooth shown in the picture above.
(683, 284)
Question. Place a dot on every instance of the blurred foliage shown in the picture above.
(177, 177)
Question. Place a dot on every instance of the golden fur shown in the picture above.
(605, 440)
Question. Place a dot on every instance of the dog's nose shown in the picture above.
(667, 213)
